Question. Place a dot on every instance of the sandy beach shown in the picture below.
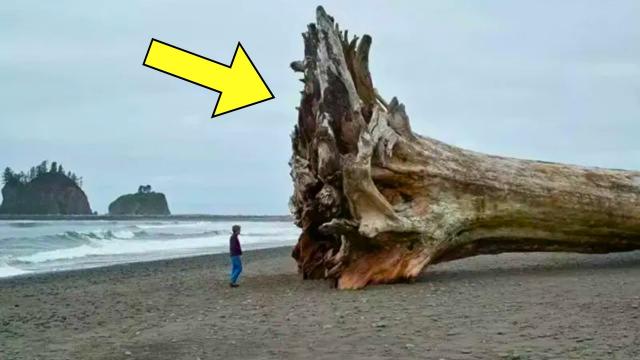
(511, 306)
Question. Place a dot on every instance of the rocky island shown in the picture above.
(43, 191)
(144, 202)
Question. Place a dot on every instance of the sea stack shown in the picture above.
(43, 192)
(144, 202)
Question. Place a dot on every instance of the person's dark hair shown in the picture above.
(235, 229)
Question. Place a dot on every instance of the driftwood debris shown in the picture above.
(377, 203)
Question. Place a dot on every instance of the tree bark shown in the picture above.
(378, 203)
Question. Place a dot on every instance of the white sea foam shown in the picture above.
(7, 271)
(118, 247)
(173, 225)
(123, 234)
(101, 247)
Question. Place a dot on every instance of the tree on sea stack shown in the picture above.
(378, 203)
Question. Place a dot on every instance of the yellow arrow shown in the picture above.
(240, 85)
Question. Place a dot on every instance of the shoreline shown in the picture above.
(132, 265)
(35, 247)
(177, 217)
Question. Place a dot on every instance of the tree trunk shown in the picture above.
(378, 203)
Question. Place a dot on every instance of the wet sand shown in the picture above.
(511, 306)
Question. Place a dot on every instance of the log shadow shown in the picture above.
(518, 265)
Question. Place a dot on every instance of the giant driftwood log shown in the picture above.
(377, 203)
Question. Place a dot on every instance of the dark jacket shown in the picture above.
(234, 245)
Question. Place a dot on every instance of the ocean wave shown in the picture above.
(7, 271)
(164, 225)
(104, 247)
(71, 239)
(101, 234)
(119, 247)
(25, 224)
(71, 245)
(140, 234)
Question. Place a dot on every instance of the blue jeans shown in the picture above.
(236, 268)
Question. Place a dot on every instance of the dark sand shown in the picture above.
(512, 306)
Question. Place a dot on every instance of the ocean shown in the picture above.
(37, 246)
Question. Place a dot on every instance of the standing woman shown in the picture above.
(236, 253)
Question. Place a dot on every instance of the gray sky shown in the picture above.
(550, 80)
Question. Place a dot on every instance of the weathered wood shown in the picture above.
(377, 203)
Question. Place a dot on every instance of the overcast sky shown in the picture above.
(549, 80)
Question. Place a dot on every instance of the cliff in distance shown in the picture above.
(144, 202)
(43, 191)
